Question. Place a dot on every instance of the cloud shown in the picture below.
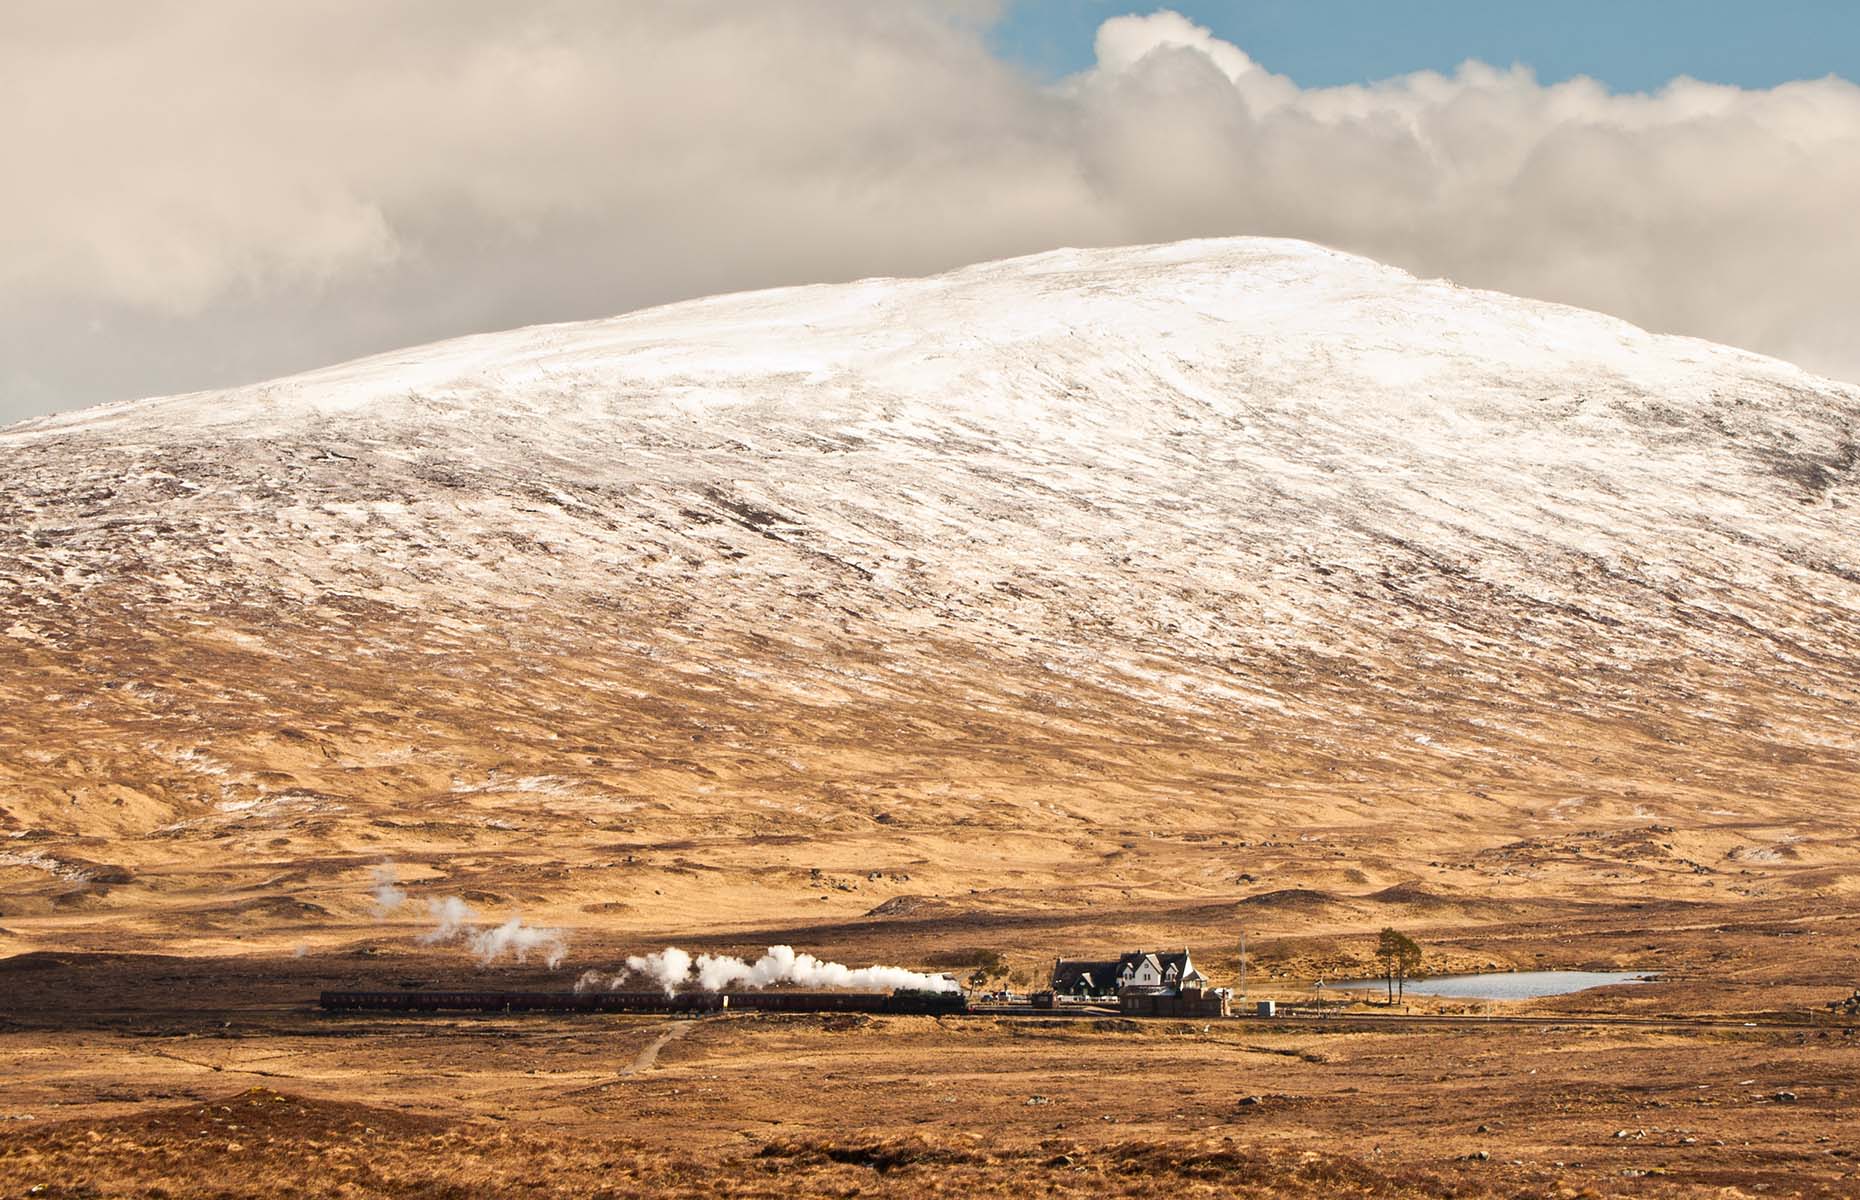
(207, 191)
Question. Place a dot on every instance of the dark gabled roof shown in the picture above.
(1072, 976)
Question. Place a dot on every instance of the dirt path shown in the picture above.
(645, 1060)
(648, 1055)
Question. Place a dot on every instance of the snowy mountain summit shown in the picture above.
(1338, 521)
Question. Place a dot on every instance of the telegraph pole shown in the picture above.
(1243, 966)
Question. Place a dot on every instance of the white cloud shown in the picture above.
(210, 190)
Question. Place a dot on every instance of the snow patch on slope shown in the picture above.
(1157, 468)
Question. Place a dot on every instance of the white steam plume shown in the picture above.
(387, 891)
(455, 920)
(516, 938)
(673, 968)
(668, 968)
(451, 918)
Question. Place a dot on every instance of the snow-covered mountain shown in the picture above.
(1245, 498)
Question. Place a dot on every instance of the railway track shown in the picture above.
(1340, 1020)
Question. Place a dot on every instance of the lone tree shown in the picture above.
(1400, 959)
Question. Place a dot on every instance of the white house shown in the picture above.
(1158, 971)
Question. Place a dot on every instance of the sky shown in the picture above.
(203, 193)
(1630, 45)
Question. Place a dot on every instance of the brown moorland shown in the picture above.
(987, 637)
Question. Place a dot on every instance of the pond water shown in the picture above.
(1503, 985)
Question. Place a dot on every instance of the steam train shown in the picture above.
(902, 1001)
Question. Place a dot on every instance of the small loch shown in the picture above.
(1503, 985)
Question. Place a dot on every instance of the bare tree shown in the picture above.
(1401, 957)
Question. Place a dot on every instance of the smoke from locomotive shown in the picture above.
(674, 969)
